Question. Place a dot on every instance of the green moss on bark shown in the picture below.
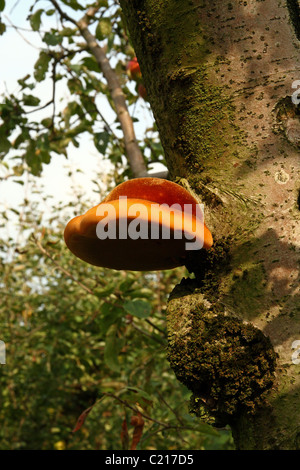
(177, 63)
(199, 97)
(207, 266)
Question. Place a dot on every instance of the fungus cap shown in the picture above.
(144, 224)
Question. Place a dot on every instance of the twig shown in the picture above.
(53, 91)
(147, 334)
(133, 408)
(108, 127)
(10, 175)
(39, 108)
(156, 327)
(14, 6)
(165, 426)
(168, 406)
(17, 29)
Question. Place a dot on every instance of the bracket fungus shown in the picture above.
(144, 224)
(133, 69)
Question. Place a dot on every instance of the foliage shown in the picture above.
(64, 57)
(78, 337)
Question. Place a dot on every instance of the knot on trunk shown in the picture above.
(226, 363)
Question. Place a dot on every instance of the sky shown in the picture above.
(18, 53)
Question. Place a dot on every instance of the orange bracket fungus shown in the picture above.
(144, 224)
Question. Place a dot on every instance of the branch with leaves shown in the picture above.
(133, 152)
(84, 68)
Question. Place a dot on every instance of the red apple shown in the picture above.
(133, 69)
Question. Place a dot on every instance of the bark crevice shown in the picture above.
(294, 12)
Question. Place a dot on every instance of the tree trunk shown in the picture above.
(219, 78)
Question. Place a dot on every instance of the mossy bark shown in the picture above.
(219, 80)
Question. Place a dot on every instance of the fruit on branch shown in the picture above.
(134, 73)
(133, 69)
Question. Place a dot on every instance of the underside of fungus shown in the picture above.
(143, 224)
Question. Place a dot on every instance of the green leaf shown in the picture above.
(103, 29)
(18, 170)
(139, 392)
(140, 293)
(50, 12)
(83, 126)
(47, 122)
(74, 4)
(109, 315)
(2, 28)
(89, 105)
(68, 32)
(91, 64)
(76, 68)
(35, 20)
(125, 285)
(60, 145)
(100, 293)
(30, 100)
(20, 139)
(70, 110)
(33, 158)
(41, 66)
(74, 85)
(52, 39)
(206, 429)
(2, 5)
(113, 345)
(110, 42)
(138, 308)
(23, 84)
(5, 144)
(101, 140)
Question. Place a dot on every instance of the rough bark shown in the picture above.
(219, 79)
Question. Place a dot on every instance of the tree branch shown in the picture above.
(65, 271)
(133, 152)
